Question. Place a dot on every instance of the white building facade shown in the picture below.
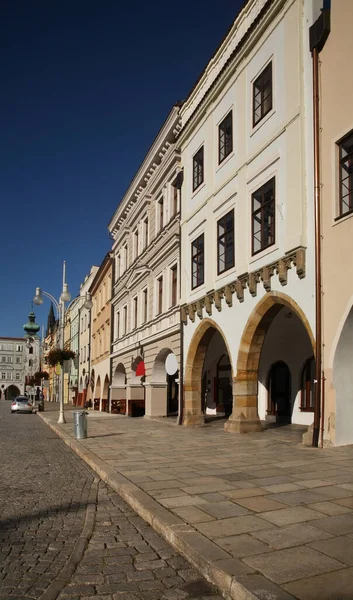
(247, 223)
(145, 300)
(13, 367)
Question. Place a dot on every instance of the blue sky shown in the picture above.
(85, 86)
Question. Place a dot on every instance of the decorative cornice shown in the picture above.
(251, 280)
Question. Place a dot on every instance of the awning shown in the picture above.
(140, 369)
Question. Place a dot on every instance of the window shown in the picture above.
(307, 399)
(117, 325)
(30, 350)
(30, 363)
(136, 243)
(3, 359)
(3, 375)
(18, 360)
(159, 295)
(145, 305)
(225, 242)
(125, 319)
(17, 375)
(262, 95)
(225, 137)
(145, 232)
(175, 200)
(18, 348)
(263, 217)
(126, 256)
(174, 271)
(346, 174)
(9, 358)
(197, 261)
(118, 266)
(161, 212)
(197, 169)
(135, 311)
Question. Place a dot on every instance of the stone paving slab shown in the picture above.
(192, 485)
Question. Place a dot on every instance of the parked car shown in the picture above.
(21, 404)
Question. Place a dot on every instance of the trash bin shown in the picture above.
(80, 424)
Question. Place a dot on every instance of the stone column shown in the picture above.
(156, 399)
(245, 417)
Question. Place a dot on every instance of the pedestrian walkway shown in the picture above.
(259, 515)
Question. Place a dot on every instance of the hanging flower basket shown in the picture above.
(59, 356)
(41, 375)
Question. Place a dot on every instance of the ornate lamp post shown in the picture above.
(60, 307)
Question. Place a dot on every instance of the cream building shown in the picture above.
(101, 291)
(336, 161)
(145, 301)
(247, 223)
(84, 332)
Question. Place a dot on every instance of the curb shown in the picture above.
(198, 550)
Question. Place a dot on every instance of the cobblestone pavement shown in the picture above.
(127, 560)
(46, 492)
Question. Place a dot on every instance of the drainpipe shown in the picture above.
(178, 184)
(318, 34)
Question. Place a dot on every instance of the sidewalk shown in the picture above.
(259, 515)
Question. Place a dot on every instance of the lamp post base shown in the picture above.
(61, 418)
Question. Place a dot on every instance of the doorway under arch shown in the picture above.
(11, 392)
(118, 390)
(105, 396)
(267, 327)
(97, 394)
(208, 357)
(279, 387)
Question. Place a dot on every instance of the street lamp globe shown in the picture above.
(88, 301)
(38, 298)
(65, 294)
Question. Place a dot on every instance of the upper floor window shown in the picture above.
(3, 375)
(262, 94)
(161, 212)
(225, 242)
(197, 261)
(18, 348)
(263, 217)
(135, 312)
(197, 169)
(225, 137)
(18, 360)
(145, 232)
(136, 243)
(159, 294)
(175, 199)
(118, 266)
(117, 325)
(145, 300)
(126, 256)
(17, 375)
(174, 273)
(125, 319)
(346, 174)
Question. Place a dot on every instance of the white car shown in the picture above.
(21, 404)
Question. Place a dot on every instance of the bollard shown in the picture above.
(80, 424)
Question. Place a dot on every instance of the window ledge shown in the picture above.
(341, 218)
(262, 122)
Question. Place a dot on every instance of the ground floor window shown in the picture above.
(307, 399)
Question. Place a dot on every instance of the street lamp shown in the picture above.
(60, 308)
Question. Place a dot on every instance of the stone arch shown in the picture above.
(119, 378)
(193, 370)
(159, 374)
(11, 392)
(343, 383)
(245, 406)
